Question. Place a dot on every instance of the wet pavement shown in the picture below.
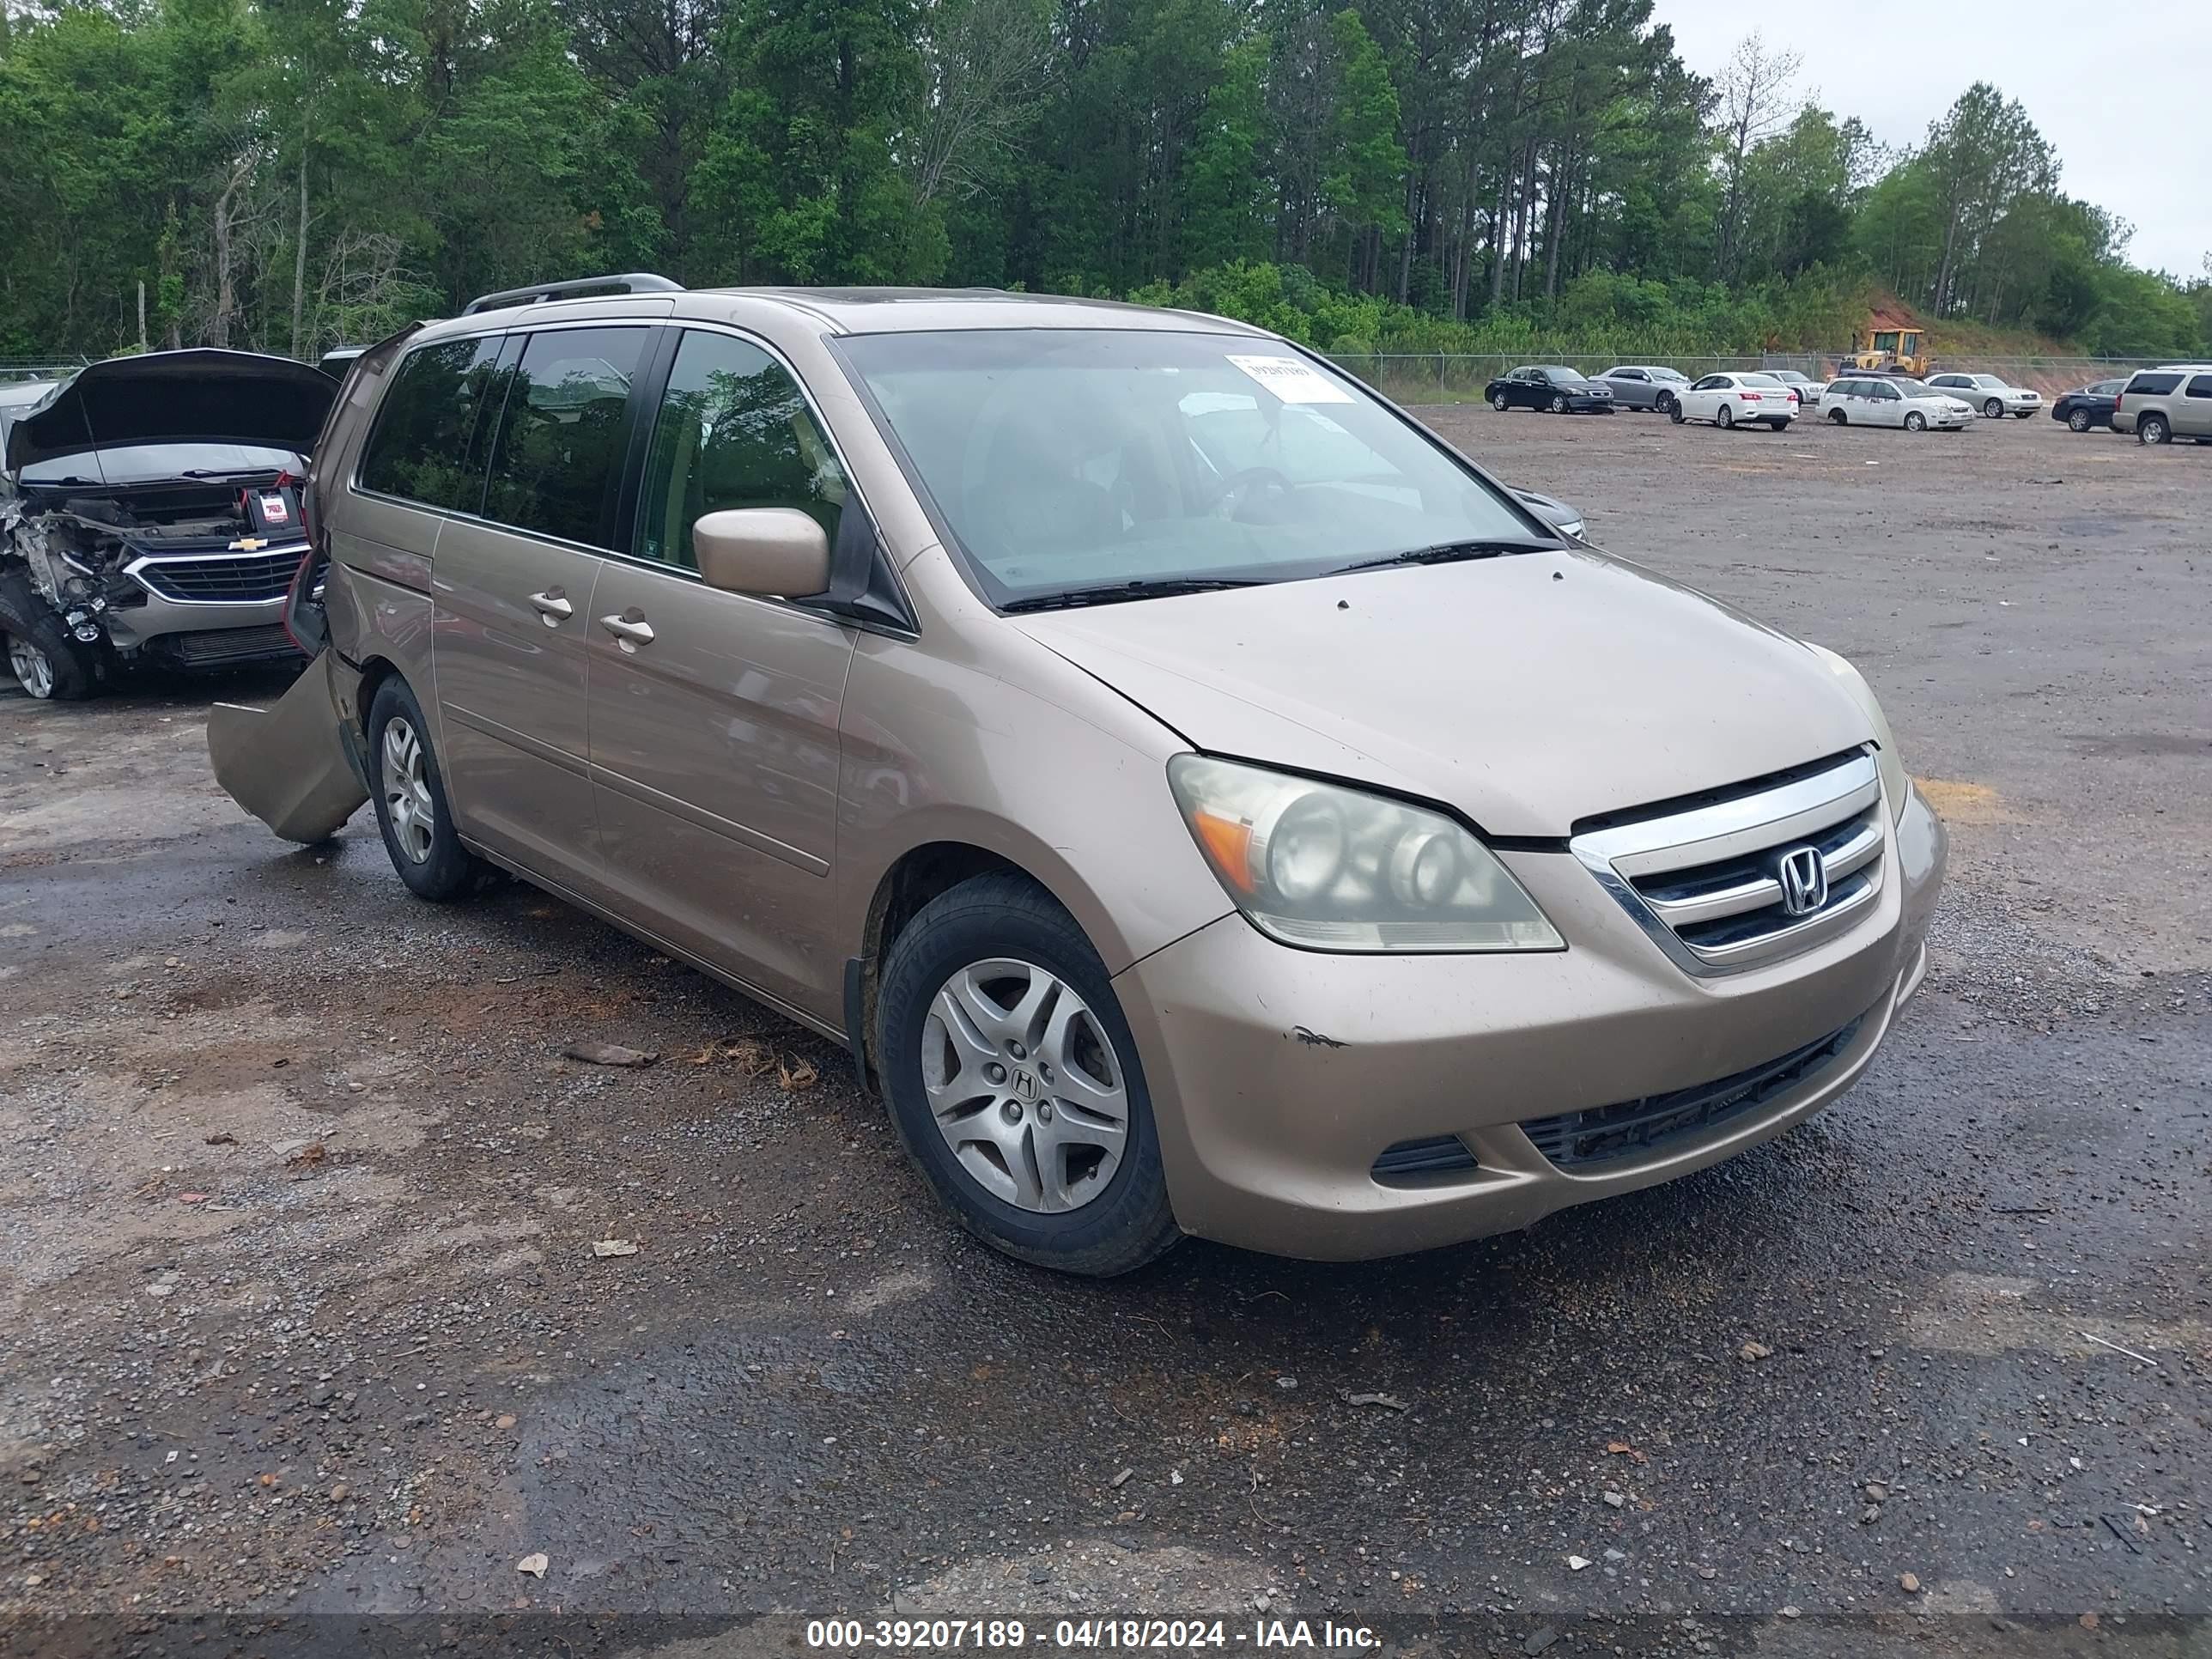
(304, 1321)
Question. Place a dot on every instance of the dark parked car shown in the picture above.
(1562, 391)
(2089, 405)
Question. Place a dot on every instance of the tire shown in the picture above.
(1500, 402)
(1993, 410)
(1915, 420)
(1674, 414)
(1837, 418)
(1725, 419)
(2152, 429)
(2078, 421)
(1094, 1204)
(39, 653)
(1558, 403)
(419, 835)
(2021, 414)
(1666, 405)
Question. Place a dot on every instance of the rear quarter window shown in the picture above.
(420, 448)
(2153, 386)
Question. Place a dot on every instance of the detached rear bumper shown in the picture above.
(1496, 1088)
(294, 765)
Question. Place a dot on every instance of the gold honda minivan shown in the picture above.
(1202, 800)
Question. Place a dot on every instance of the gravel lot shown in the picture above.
(303, 1325)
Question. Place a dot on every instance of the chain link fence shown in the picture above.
(38, 368)
(1439, 377)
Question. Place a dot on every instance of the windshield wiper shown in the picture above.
(1447, 553)
(227, 471)
(1144, 587)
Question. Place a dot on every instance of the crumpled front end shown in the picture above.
(193, 574)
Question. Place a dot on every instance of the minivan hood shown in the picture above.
(203, 395)
(1528, 692)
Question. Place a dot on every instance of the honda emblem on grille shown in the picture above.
(1804, 878)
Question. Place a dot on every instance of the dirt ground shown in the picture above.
(304, 1345)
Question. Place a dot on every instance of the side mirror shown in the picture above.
(775, 550)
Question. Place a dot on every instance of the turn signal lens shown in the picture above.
(1333, 868)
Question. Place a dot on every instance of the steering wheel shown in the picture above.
(1246, 477)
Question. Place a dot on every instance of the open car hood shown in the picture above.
(200, 396)
(1528, 692)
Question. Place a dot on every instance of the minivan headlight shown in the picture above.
(1895, 785)
(1330, 868)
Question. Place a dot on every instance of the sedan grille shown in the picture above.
(1637, 1127)
(221, 578)
(1749, 876)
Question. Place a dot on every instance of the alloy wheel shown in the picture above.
(1727, 416)
(33, 668)
(2150, 430)
(2078, 421)
(1994, 409)
(406, 779)
(1499, 402)
(1024, 1084)
(1558, 403)
(1915, 420)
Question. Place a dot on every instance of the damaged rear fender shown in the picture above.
(295, 765)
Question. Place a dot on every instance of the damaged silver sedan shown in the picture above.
(150, 513)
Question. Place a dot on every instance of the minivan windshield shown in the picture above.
(1064, 460)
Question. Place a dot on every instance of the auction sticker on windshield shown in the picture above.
(1292, 381)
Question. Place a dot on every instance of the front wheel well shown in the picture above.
(919, 876)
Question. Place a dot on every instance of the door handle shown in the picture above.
(630, 628)
(553, 605)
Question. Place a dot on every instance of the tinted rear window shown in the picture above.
(561, 437)
(2153, 386)
(420, 448)
(2201, 386)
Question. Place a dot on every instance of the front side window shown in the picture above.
(1888, 394)
(423, 447)
(2106, 388)
(1712, 383)
(733, 431)
(1063, 459)
(560, 438)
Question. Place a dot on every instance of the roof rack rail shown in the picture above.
(635, 282)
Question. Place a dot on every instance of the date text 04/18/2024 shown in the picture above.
(1080, 1635)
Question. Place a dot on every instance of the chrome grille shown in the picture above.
(221, 578)
(1749, 879)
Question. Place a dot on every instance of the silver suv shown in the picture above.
(2160, 404)
(150, 513)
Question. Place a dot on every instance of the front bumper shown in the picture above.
(1278, 1076)
(1585, 406)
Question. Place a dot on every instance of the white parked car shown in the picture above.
(1867, 401)
(1990, 394)
(1738, 399)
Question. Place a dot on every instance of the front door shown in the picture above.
(514, 588)
(714, 716)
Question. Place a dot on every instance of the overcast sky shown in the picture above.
(2088, 74)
